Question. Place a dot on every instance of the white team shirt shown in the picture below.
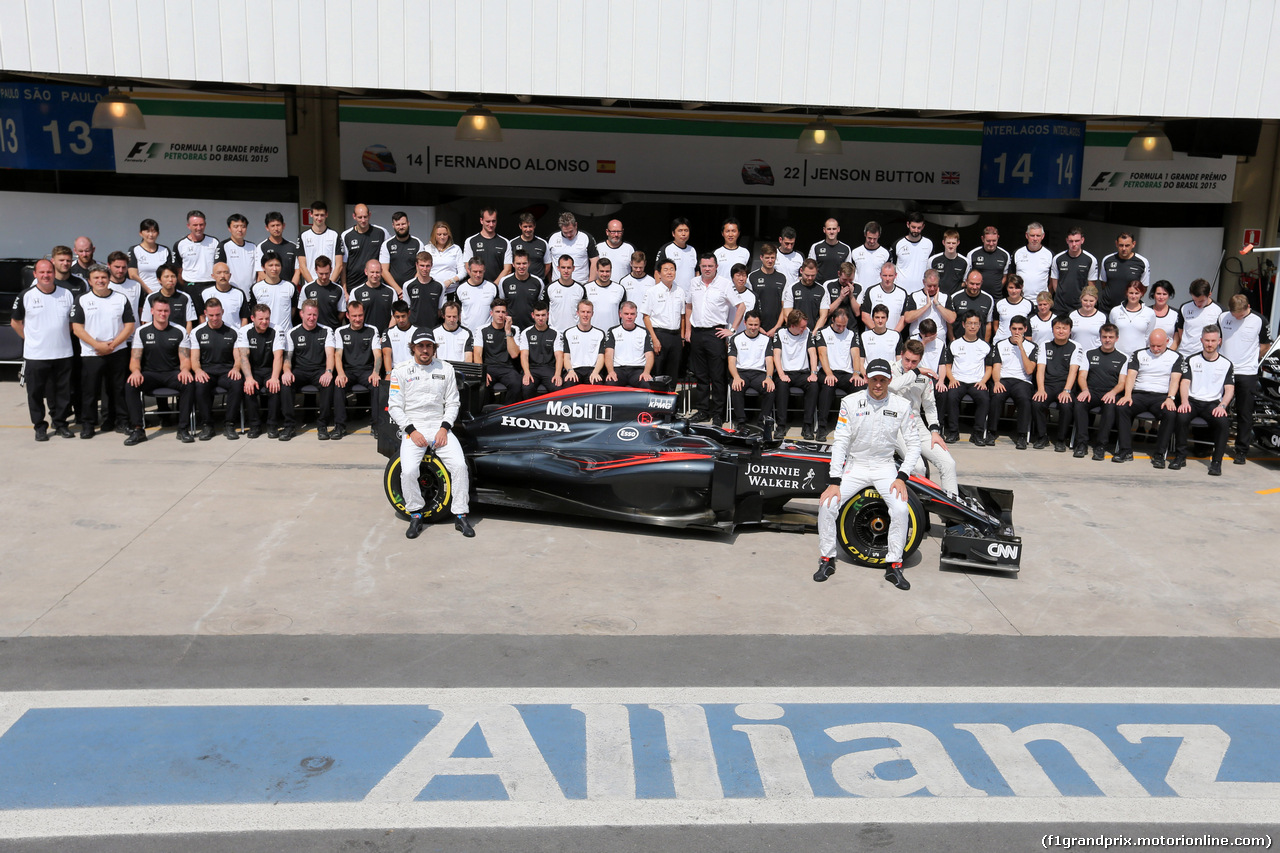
(446, 264)
(748, 300)
(397, 340)
(880, 346)
(1006, 311)
(1035, 268)
(584, 346)
(917, 300)
(146, 263)
(711, 304)
(1194, 319)
(629, 347)
(968, 359)
(580, 248)
(868, 263)
(1241, 340)
(665, 307)
(1041, 331)
(243, 261)
(232, 303)
(839, 347)
(605, 302)
(1135, 327)
(726, 258)
(789, 265)
(197, 258)
(279, 297)
(1085, 331)
(750, 353)
(476, 300)
(637, 288)
(620, 257)
(1011, 366)
(913, 260)
(312, 245)
(792, 350)
(452, 346)
(563, 301)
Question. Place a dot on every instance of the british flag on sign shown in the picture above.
(951, 177)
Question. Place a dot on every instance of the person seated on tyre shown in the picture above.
(862, 455)
(423, 401)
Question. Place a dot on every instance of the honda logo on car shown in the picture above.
(773, 476)
(534, 423)
(581, 411)
(1000, 549)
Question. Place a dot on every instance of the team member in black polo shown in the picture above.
(829, 253)
(330, 299)
(487, 246)
(182, 310)
(161, 358)
(1057, 363)
(1246, 337)
(1013, 367)
(1072, 271)
(768, 285)
(1118, 269)
(840, 357)
(1151, 386)
(497, 349)
(286, 250)
(844, 292)
(751, 366)
(628, 352)
(214, 365)
(361, 244)
(534, 248)
(424, 294)
(968, 361)
(580, 349)
(40, 318)
(808, 296)
(888, 294)
(260, 354)
(357, 357)
(1101, 382)
(973, 298)
(308, 360)
(1208, 384)
(103, 321)
(538, 353)
(399, 255)
(992, 261)
(522, 289)
(950, 265)
(375, 296)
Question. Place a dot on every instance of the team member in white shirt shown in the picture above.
(40, 316)
(580, 350)
(275, 293)
(1013, 368)
(1193, 316)
(731, 253)
(1087, 321)
(578, 245)
(118, 280)
(147, 257)
(1034, 263)
(476, 296)
(605, 295)
(320, 241)
(563, 296)
(446, 257)
(840, 357)
(750, 366)
(788, 260)
(747, 299)
(1041, 319)
(615, 249)
(679, 251)
(714, 310)
(870, 257)
(967, 361)
(241, 257)
(1246, 337)
(1208, 384)
(912, 254)
(1151, 387)
(452, 338)
(196, 253)
(665, 319)
(103, 320)
(235, 302)
(795, 363)
(1135, 320)
(1014, 305)
(628, 352)
(1168, 320)
(880, 341)
(636, 282)
(397, 339)
(928, 303)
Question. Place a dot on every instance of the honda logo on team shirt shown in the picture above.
(582, 411)
(1001, 550)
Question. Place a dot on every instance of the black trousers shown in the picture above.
(629, 377)
(753, 379)
(511, 379)
(583, 374)
(1106, 419)
(205, 391)
(354, 387)
(1245, 398)
(827, 393)
(97, 372)
(782, 397)
(1065, 413)
(253, 402)
(981, 405)
(1021, 393)
(324, 396)
(1219, 425)
(1152, 402)
(542, 383)
(708, 360)
(667, 362)
(49, 382)
(150, 382)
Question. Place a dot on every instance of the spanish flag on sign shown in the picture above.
(609, 167)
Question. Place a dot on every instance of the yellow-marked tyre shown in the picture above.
(433, 479)
(864, 527)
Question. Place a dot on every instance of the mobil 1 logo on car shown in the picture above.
(579, 411)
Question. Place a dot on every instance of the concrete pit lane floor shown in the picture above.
(237, 636)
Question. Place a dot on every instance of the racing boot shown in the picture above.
(415, 525)
(894, 576)
(464, 527)
(826, 568)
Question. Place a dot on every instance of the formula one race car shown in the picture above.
(621, 453)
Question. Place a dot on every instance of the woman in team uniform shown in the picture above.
(446, 266)
(1166, 318)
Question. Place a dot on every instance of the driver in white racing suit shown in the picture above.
(862, 455)
(910, 382)
(423, 401)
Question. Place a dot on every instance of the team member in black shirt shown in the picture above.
(950, 265)
(286, 250)
(361, 244)
(973, 298)
(161, 359)
(522, 290)
(399, 255)
(496, 348)
(213, 363)
(424, 294)
(308, 360)
(375, 295)
(1101, 383)
(992, 261)
(538, 353)
(330, 300)
(182, 310)
(768, 285)
(1057, 363)
(1208, 385)
(534, 248)
(103, 321)
(260, 356)
(357, 355)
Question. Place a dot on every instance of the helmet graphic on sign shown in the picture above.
(377, 158)
(757, 172)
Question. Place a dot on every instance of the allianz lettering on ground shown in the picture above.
(471, 747)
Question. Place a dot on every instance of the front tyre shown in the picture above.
(863, 527)
(433, 479)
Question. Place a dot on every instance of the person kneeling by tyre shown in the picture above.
(866, 435)
(423, 401)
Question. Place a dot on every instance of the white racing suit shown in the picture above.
(918, 388)
(425, 396)
(862, 455)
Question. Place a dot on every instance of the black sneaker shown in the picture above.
(286, 434)
(1177, 463)
(1061, 447)
(977, 439)
(338, 433)
(1239, 456)
(135, 437)
(1215, 469)
(1079, 453)
(206, 434)
(951, 437)
(322, 433)
(64, 431)
(123, 429)
(826, 568)
(807, 433)
(1099, 455)
(272, 432)
(184, 436)
(254, 432)
(1157, 461)
(415, 526)
(231, 433)
(88, 431)
(1020, 443)
(990, 439)
(1125, 456)
(464, 527)
(42, 433)
(1041, 443)
(699, 417)
(894, 576)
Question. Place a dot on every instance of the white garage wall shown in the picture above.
(1206, 58)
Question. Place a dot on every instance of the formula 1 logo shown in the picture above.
(141, 152)
(1106, 180)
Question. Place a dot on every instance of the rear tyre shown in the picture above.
(864, 527)
(433, 479)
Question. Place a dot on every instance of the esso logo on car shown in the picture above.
(628, 434)
(1000, 549)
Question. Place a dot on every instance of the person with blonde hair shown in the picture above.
(446, 266)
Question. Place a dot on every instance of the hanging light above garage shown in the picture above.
(819, 138)
(478, 125)
(117, 110)
(1150, 143)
